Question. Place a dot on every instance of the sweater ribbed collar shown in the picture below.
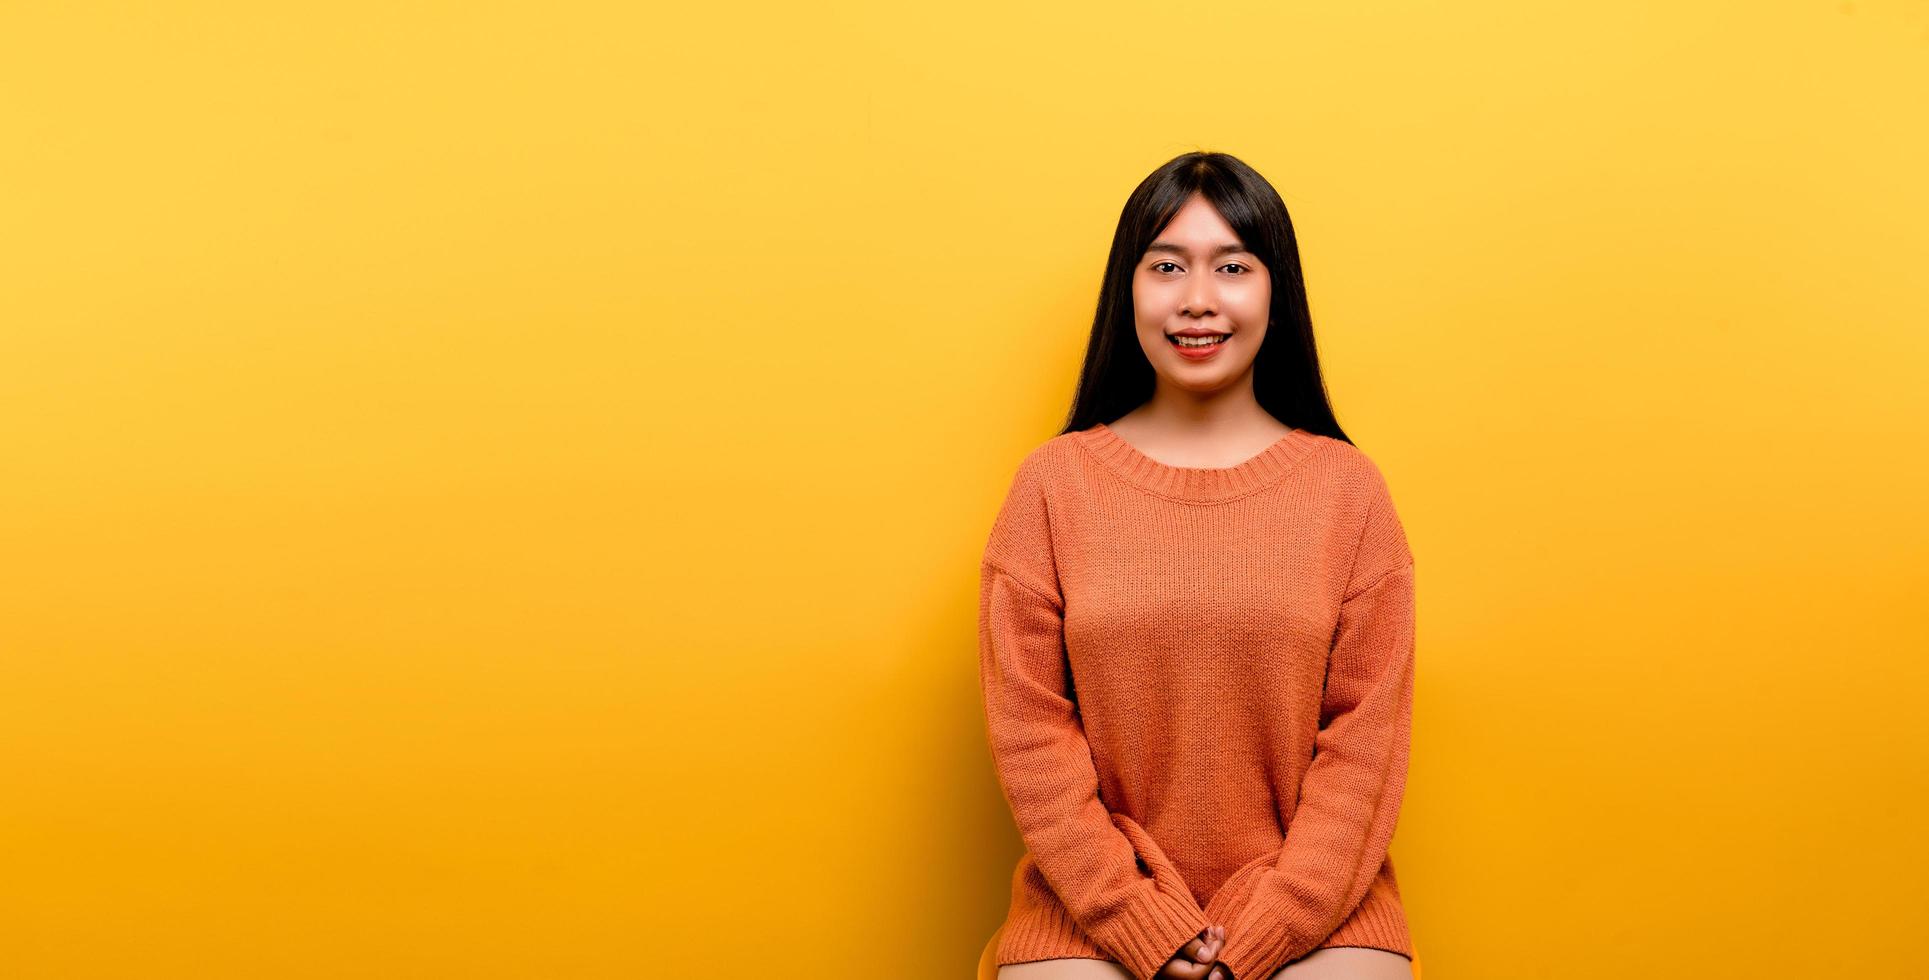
(1203, 485)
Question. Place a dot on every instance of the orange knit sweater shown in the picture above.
(1198, 686)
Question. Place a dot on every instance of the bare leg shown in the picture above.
(1347, 963)
(1071, 968)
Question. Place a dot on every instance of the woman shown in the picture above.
(1196, 628)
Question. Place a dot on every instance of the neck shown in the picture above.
(1185, 415)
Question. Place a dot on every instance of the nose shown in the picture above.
(1200, 297)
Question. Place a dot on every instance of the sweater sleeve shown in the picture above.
(1089, 856)
(1349, 799)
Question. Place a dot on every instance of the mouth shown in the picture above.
(1198, 346)
(1198, 341)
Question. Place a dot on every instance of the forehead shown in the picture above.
(1197, 229)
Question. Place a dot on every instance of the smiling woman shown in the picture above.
(1196, 629)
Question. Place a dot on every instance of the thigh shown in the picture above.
(1070, 968)
(1347, 963)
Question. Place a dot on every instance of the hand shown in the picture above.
(1195, 960)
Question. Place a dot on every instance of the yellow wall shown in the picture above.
(494, 490)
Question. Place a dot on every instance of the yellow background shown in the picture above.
(494, 490)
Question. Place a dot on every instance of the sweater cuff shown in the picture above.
(1150, 929)
(1265, 936)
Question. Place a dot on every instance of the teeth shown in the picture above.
(1197, 341)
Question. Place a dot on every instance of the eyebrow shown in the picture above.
(1177, 250)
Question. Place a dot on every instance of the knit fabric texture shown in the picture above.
(1198, 690)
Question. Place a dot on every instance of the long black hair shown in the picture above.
(1117, 378)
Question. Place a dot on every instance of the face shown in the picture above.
(1198, 278)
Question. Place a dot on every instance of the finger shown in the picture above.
(1174, 968)
(1181, 969)
(1208, 952)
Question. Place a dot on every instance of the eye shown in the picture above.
(1234, 265)
(1155, 265)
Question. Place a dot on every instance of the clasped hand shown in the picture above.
(1196, 960)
